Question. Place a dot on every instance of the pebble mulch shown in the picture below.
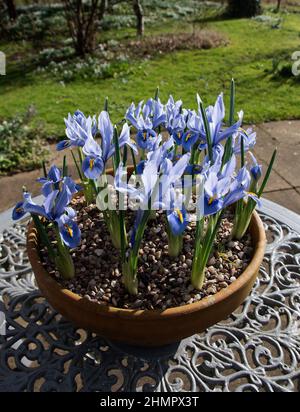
(164, 282)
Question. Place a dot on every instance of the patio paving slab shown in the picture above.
(289, 198)
(286, 137)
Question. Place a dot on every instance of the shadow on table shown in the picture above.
(41, 351)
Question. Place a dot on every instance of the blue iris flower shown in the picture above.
(69, 231)
(249, 140)
(239, 188)
(189, 139)
(18, 211)
(159, 153)
(215, 116)
(146, 136)
(96, 155)
(176, 120)
(177, 215)
(78, 129)
(158, 171)
(93, 164)
(178, 220)
(55, 209)
(214, 191)
(53, 179)
(222, 186)
(159, 116)
(144, 119)
(256, 169)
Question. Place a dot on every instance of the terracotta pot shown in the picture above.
(148, 327)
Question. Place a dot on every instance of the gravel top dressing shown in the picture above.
(164, 281)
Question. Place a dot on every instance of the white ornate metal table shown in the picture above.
(256, 349)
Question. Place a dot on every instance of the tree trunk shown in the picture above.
(82, 24)
(278, 6)
(11, 8)
(102, 9)
(138, 11)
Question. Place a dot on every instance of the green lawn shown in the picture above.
(248, 58)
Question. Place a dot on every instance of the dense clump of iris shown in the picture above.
(180, 157)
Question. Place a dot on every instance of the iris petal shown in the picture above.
(69, 231)
(64, 144)
(178, 221)
(18, 211)
(92, 167)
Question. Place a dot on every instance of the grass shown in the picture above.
(248, 58)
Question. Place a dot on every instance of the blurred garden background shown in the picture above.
(71, 54)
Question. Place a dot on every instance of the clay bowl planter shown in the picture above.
(148, 327)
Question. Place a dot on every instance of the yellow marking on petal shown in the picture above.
(69, 230)
(188, 136)
(19, 210)
(145, 136)
(243, 130)
(92, 161)
(180, 216)
(251, 193)
(211, 199)
(179, 135)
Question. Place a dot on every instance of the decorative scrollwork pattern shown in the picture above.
(256, 349)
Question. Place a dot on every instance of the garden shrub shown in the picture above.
(33, 22)
(244, 8)
(22, 147)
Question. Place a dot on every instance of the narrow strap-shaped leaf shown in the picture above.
(267, 175)
(208, 243)
(117, 160)
(43, 235)
(77, 166)
(125, 154)
(80, 154)
(140, 232)
(207, 132)
(65, 166)
(156, 94)
(228, 145)
(44, 169)
(133, 160)
(232, 103)
(106, 104)
(117, 156)
(242, 151)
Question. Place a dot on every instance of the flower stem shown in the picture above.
(89, 191)
(129, 271)
(129, 268)
(63, 260)
(43, 236)
(77, 166)
(133, 160)
(203, 249)
(174, 243)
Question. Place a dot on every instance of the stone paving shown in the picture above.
(283, 186)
